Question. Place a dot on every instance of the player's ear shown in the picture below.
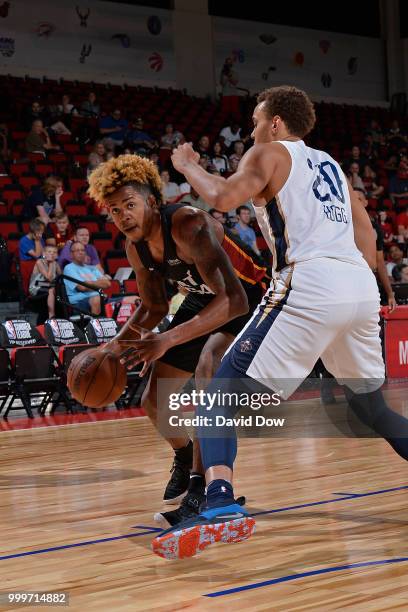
(152, 202)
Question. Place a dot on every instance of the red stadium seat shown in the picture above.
(28, 182)
(26, 269)
(43, 169)
(5, 180)
(19, 169)
(114, 288)
(76, 184)
(113, 263)
(130, 286)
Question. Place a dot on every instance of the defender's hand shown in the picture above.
(183, 156)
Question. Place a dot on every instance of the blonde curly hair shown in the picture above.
(127, 169)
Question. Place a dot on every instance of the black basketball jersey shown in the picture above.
(185, 275)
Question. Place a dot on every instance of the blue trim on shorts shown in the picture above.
(244, 349)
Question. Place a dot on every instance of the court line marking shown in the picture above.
(290, 577)
(40, 551)
(348, 496)
(152, 530)
(326, 570)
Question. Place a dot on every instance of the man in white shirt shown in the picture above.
(230, 134)
(397, 257)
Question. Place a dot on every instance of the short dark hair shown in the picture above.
(293, 105)
(243, 207)
(36, 225)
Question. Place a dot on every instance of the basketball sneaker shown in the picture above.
(189, 508)
(226, 524)
(180, 475)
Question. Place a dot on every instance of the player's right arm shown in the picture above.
(364, 235)
(153, 306)
(251, 179)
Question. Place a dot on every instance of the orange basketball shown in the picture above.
(95, 378)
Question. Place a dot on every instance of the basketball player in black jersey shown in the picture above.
(223, 286)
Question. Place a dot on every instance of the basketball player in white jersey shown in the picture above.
(323, 300)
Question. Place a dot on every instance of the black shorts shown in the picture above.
(185, 356)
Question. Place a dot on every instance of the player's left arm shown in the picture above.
(364, 235)
(225, 194)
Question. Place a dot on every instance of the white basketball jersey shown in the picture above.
(310, 217)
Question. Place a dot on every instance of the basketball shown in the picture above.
(95, 378)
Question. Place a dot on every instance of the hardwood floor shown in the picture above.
(76, 511)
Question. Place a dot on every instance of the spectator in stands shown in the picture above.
(33, 113)
(203, 146)
(171, 191)
(391, 164)
(78, 295)
(375, 132)
(139, 140)
(66, 108)
(50, 116)
(395, 136)
(219, 216)
(98, 156)
(58, 233)
(369, 149)
(230, 133)
(43, 277)
(356, 158)
(397, 257)
(400, 273)
(218, 159)
(204, 161)
(38, 140)
(31, 245)
(398, 186)
(45, 201)
(154, 157)
(386, 226)
(229, 82)
(113, 128)
(91, 255)
(381, 270)
(355, 178)
(236, 157)
(402, 224)
(193, 199)
(89, 107)
(369, 179)
(244, 230)
(171, 138)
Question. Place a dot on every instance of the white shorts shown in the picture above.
(319, 308)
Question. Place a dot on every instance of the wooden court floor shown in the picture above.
(76, 511)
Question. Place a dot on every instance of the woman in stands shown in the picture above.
(45, 201)
(218, 160)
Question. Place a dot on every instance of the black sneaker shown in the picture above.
(189, 508)
(180, 477)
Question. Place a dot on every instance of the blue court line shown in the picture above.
(151, 530)
(326, 570)
(87, 543)
(330, 501)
